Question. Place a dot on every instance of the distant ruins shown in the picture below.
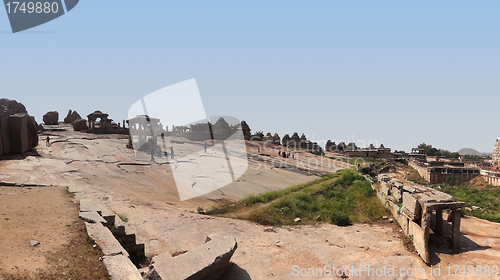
(491, 171)
(416, 208)
(351, 150)
(18, 130)
(496, 152)
(143, 127)
(105, 125)
(436, 170)
(300, 143)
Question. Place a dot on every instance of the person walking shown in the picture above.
(150, 141)
(47, 143)
(205, 146)
(172, 152)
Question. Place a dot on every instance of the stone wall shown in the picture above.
(412, 206)
(444, 173)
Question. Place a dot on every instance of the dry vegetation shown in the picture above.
(341, 198)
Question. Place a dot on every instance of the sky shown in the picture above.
(394, 72)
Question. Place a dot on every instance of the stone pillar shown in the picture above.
(455, 228)
(426, 224)
(439, 221)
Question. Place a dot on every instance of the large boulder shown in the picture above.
(4, 129)
(51, 118)
(1, 142)
(14, 106)
(18, 130)
(71, 117)
(246, 130)
(23, 132)
(80, 125)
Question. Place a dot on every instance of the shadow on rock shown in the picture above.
(234, 272)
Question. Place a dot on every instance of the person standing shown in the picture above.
(205, 146)
(172, 152)
(47, 143)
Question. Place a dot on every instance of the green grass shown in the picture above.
(123, 217)
(415, 177)
(487, 199)
(342, 198)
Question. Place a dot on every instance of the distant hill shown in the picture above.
(472, 152)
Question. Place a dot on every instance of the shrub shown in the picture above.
(340, 219)
(201, 210)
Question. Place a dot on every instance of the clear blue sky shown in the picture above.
(399, 72)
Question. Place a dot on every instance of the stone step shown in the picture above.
(121, 267)
(105, 239)
(87, 205)
(92, 217)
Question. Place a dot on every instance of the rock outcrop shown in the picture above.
(18, 130)
(51, 118)
(276, 139)
(71, 117)
(13, 106)
(331, 146)
(80, 125)
(246, 130)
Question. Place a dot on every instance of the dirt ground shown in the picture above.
(35, 213)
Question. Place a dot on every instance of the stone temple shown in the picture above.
(496, 152)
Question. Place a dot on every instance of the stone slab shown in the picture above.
(411, 203)
(74, 189)
(384, 189)
(105, 239)
(207, 262)
(88, 205)
(121, 267)
(92, 217)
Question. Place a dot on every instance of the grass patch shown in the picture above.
(487, 199)
(342, 198)
(413, 176)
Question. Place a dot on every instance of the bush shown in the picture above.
(201, 210)
(340, 219)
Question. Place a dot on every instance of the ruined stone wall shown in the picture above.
(422, 170)
(407, 215)
(445, 174)
(492, 177)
